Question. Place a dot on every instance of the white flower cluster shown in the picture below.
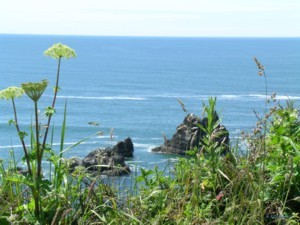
(11, 93)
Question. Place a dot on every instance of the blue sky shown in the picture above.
(195, 18)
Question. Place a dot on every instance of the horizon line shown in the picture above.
(145, 36)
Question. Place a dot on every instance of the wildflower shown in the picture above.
(220, 196)
(12, 218)
(294, 114)
(11, 93)
(256, 131)
(35, 90)
(202, 187)
(59, 50)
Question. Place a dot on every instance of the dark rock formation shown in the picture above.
(124, 148)
(109, 161)
(188, 135)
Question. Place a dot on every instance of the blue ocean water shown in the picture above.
(130, 86)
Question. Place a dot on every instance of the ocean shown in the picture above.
(130, 86)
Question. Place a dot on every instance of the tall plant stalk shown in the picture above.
(10, 94)
(261, 72)
(20, 134)
(53, 103)
(57, 51)
(38, 153)
(34, 91)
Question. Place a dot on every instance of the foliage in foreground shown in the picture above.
(258, 183)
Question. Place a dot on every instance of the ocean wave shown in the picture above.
(225, 96)
(181, 96)
(133, 162)
(202, 97)
(283, 97)
(54, 144)
(161, 138)
(106, 137)
(170, 160)
(247, 97)
(255, 96)
(103, 97)
(230, 96)
(145, 146)
(278, 97)
(10, 146)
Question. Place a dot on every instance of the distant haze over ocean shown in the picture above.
(131, 84)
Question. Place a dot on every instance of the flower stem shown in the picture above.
(38, 151)
(21, 139)
(39, 164)
(57, 80)
(53, 103)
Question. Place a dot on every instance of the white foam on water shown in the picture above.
(156, 138)
(144, 146)
(103, 97)
(229, 97)
(167, 95)
(133, 162)
(282, 97)
(105, 137)
(54, 144)
(170, 160)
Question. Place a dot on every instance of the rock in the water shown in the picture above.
(128, 147)
(109, 161)
(188, 135)
(124, 148)
(74, 161)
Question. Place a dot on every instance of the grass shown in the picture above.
(214, 184)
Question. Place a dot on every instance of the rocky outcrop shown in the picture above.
(108, 161)
(188, 135)
(124, 148)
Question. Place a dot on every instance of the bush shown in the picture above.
(216, 184)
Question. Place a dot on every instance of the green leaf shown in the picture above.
(297, 199)
(202, 127)
(191, 152)
(11, 122)
(3, 221)
(46, 185)
(278, 178)
(295, 146)
(22, 135)
(49, 111)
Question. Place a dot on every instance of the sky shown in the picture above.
(191, 18)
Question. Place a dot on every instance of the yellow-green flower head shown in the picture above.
(35, 90)
(11, 93)
(59, 50)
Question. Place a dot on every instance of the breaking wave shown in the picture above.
(104, 97)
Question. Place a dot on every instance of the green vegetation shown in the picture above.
(258, 183)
